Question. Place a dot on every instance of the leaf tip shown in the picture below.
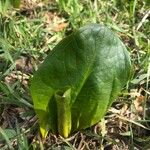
(44, 132)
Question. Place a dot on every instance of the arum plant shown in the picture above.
(79, 80)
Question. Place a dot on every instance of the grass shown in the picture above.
(26, 37)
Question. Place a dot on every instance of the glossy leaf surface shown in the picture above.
(87, 69)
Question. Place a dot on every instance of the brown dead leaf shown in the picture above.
(139, 99)
(17, 75)
(55, 22)
(138, 103)
(60, 27)
(25, 64)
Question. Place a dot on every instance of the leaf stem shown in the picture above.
(63, 112)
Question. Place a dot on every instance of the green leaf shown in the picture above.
(94, 65)
(15, 3)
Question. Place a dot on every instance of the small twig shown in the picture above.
(143, 20)
(81, 142)
(132, 121)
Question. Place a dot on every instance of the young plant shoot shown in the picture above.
(79, 80)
